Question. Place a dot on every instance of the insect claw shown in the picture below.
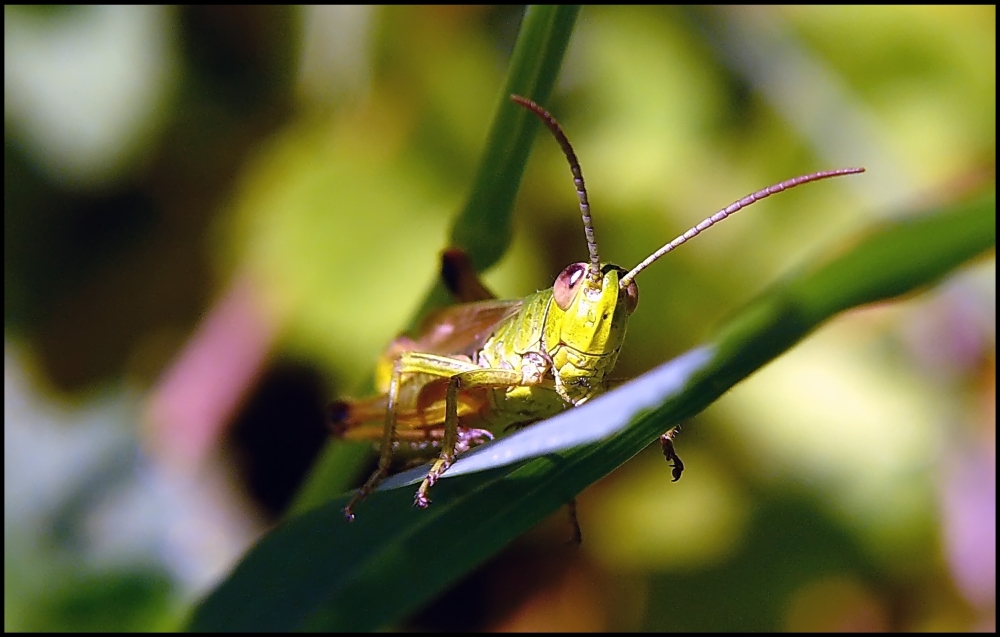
(348, 514)
(676, 469)
(667, 444)
(469, 438)
(421, 501)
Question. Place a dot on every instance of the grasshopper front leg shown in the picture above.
(534, 367)
(462, 375)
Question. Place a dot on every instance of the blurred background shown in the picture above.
(216, 218)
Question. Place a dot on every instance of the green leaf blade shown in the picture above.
(319, 572)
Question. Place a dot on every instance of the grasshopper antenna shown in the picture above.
(731, 209)
(594, 271)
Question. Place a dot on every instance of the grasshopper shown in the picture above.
(486, 366)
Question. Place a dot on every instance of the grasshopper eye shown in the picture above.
(567, 283)
(631, 297)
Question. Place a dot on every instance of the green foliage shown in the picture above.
(318, 572)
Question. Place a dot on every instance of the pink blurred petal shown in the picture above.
(970, 524)
(201, 390)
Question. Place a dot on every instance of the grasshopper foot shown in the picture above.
(469, 438)
(667, 444)
(349, 509)
(364, 492)
(421, 501)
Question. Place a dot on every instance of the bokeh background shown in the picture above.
(216, 218)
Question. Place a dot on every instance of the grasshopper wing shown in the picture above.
(458, 331)
(462, 329)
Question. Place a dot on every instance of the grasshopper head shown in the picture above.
(594, 298)
(594, 312)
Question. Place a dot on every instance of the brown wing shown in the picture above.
(458, 330)
(462, 329)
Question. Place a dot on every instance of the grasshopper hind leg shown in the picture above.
(364, 492)
(338, 418)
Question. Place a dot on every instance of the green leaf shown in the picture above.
(319, 572)
(483, 229)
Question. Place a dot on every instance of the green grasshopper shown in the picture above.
(486, 366)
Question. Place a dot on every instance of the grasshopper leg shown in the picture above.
(479, 377)
(385, 450)
(411, 363)
(667, 444)
(534, 367)
(461, 375)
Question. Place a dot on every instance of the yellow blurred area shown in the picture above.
(836, 604)
(834, 419)
(642, 522)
